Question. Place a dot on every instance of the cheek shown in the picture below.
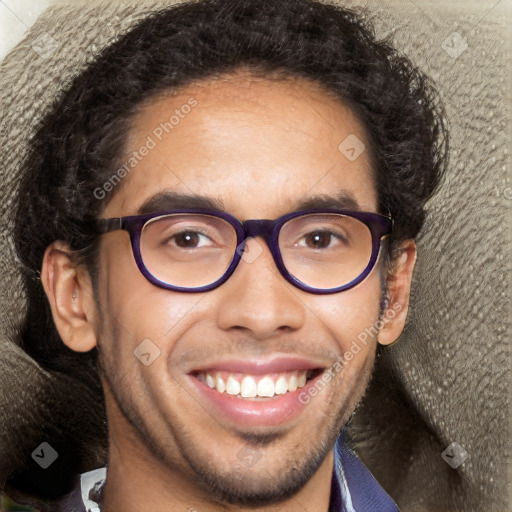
(139, 309)
(351, 316)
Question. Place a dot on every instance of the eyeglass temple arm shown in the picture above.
(106, 225)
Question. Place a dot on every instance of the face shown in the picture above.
(258, 148)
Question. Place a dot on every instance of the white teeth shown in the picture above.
(221, 385)
(249, 386)
(281, 386)
(265, 387)
(209, 381)
(232, 386)
(292, 383)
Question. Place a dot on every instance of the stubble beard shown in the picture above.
(249, 487)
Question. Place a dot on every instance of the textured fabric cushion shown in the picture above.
(446, 380)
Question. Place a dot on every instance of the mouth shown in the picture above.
(255, 393)
(256, 387)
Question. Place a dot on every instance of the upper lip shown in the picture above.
(259, 366)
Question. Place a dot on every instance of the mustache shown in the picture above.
(197, 353)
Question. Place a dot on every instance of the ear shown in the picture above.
(70, 294)
(398, 288)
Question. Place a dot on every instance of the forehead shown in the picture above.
(256, 146)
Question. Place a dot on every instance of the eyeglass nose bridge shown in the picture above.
(261, 227)
(255, 228)
(267, 230)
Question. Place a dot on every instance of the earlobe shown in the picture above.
(69, 292)
(398, 287)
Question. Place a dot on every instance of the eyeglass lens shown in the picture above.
(321, 250)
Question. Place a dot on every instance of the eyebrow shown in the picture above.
(164, 201)
(342, 200)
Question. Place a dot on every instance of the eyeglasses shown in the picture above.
(319, 251)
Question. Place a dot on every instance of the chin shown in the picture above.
(246, 487)
(257, 480)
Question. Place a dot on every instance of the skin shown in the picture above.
(260, 147)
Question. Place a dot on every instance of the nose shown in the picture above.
(257, 298)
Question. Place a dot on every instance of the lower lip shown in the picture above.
(246, 412)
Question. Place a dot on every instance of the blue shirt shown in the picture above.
(353, 488)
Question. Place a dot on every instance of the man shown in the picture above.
(223, 210)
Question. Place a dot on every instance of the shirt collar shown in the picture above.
(353, 488)
(91, 487)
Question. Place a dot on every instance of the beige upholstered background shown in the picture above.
(16, 17)
(448, 378)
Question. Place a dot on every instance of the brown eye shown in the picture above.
(318, 239)
(187, 239)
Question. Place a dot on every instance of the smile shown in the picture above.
(252, 393)
(255, 386)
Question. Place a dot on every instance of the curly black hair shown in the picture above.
(79, 144)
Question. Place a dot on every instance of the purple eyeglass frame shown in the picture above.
(379, 226)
